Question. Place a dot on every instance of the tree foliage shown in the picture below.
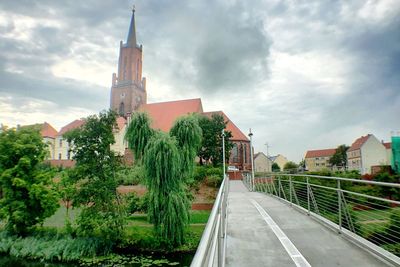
(290, 165)
(168, 205)
(211, 146)
(188, 134)
(28, 197)
(339, 159)
(275, 167)
(95, 176)
(138, 134)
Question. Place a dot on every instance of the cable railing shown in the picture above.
(367, 212)
(212, 247)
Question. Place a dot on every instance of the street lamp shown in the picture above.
(251, 159)
(223, 151)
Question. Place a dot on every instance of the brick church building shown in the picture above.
(128, 95)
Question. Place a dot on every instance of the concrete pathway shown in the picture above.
(263, 231)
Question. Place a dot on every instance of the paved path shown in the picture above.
(263, 231)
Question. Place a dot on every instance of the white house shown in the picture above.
(262, 163)
(365, 152)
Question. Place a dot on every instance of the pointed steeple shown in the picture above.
(131, 41)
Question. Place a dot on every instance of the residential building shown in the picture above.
(365, 152)
(317, 160)
(280, 160)
(262, 163)
(389, 152)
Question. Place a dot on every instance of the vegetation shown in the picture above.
(275, 167)
(290, 165)
(101, 213)
(339, 159)
(211, 146)
(27, 194)
(131, 175)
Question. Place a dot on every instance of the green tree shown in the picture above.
(96, 163)
(138, 134)
(168, 206)
(339, 159)
(275, 167)
(290, 165)
(211, 146)
(188, 134)
(28, 195)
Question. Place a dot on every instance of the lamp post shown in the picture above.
(251, 160)
(223, 151)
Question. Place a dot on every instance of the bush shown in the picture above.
(131, 175)
(199, 173)
(136, 203)
(214, 180)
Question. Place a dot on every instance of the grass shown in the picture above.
(58, 218)
(373, 220)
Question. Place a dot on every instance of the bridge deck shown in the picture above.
(254, 240)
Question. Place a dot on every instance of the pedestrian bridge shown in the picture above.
(297, 220)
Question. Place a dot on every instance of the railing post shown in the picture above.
(308, 197)
(290, 189)
(279, 186)
(339, 205)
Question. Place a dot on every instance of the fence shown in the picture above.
(367, 212)
(211, 250)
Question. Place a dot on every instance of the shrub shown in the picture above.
(214, 180)
(131, 175)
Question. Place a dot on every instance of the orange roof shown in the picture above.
(359, 142)
(73, 125)
(388, 145)
(121, 121)
(48, 130)
(164, 114)
(320, 153)
(237, 134)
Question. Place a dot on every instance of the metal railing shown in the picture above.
(212, 247)
(367, 212)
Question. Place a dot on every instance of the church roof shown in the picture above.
(237, 134)
(164, 114)
(70, 126)
(131, 40)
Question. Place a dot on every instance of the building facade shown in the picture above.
(280, 160)
(365, 152)
(262, 163)
(317, 160)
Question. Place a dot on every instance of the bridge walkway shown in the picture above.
(263, 231)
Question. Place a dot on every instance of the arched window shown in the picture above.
(121, 109)
(137, 70)
(235, 153)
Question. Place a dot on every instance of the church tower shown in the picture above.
(128, 90)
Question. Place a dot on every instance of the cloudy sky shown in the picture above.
(302, 74)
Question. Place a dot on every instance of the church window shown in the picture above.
(235, 153)
(121, 109)
(59, 155)
(68, 154)
(124, 74)
(60, 143)
(245, 153)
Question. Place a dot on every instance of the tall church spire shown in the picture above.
(131, 41)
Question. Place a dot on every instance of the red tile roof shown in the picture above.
(164, 114)
(237, 134)
(359, 142)
(320, 153)
(388, 145)
(73, 125)
(48, 130)
(121, 121)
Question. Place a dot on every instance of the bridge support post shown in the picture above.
(290, 189)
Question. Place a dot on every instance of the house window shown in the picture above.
(316, 164)
(316, 158)
(59, 155)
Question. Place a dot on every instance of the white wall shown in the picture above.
(262, 164)
(372, 153)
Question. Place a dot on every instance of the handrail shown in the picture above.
(366, 212)
(213, 240)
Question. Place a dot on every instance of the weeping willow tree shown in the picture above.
(138, 134)
(188, 134)
(168, 204)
